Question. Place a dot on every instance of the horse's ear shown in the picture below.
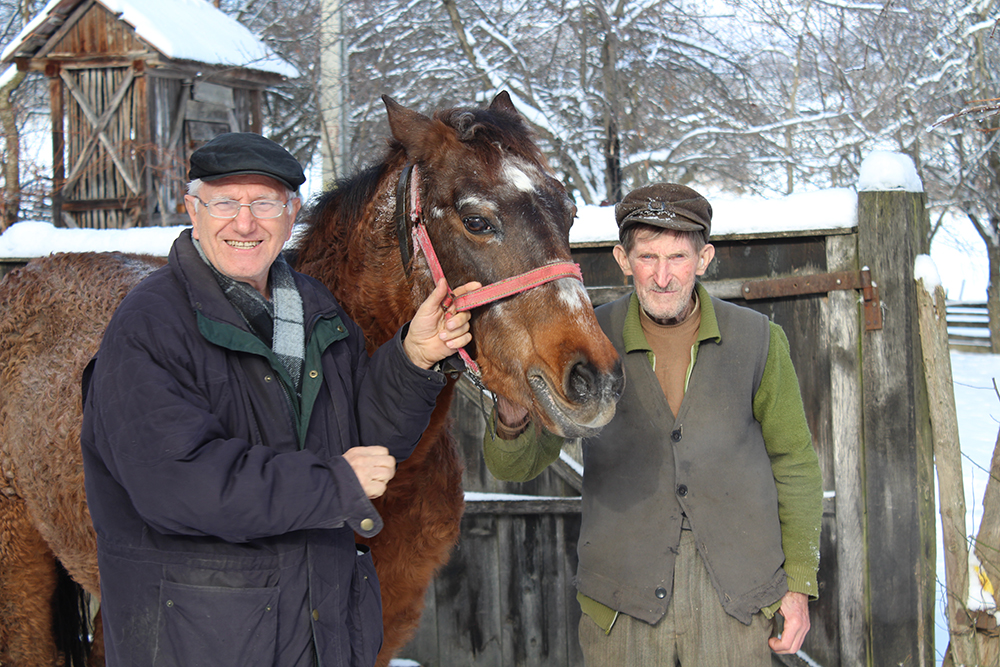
(502, 103)
(406, 125)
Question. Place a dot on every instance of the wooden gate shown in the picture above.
(105, 129)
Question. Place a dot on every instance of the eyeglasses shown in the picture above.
(228, 209)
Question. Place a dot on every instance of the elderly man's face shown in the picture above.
(663, 266)
(243, 247)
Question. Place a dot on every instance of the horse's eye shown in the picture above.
(477, 224)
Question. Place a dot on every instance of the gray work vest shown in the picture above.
(646, 468)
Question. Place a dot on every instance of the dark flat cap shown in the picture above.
(666, 205)
(236, 153)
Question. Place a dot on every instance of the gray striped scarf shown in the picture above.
(278, 322)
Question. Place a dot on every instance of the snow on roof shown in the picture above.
(806, 212)
(179, 29)
(822, 210)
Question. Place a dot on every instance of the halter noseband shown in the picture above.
(408, 188)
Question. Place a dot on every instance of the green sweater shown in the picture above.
(777, 405)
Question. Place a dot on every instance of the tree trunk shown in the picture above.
(993, 295)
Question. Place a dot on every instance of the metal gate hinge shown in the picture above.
(821, 283)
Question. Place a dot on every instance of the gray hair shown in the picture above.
(194, 187)
(628, 236)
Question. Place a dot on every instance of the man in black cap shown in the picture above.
(235, 430)
(702, 498)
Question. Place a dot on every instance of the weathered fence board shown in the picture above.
(898, 461)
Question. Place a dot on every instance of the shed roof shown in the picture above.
(193, 30)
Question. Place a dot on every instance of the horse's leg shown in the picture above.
(27, 583)
(97, 647)
(422, 515)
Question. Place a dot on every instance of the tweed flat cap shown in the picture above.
(236, 153)
(666, 205)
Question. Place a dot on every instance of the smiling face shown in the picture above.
(243, 247)
(663, 266)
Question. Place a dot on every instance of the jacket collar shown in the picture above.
(635, 340)
(207, 297)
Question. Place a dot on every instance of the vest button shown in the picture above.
(676, 435)
(367, 524)
(315, 614)
(661, 592)
(682, 490)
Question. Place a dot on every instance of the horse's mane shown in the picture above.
(333, 215)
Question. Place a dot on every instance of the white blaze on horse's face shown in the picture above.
(515, 173)
(573, 294)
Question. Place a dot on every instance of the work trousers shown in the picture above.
(695, 632)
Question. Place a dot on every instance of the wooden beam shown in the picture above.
(841, 316)
(61, 31)
(948, 461)
(56, 112)
(523, 505)
(898, 458)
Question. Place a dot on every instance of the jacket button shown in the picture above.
(682, 490)
(676, 435)
(268, 378)
(314, 374)
(661, 592)
(315, 614)
(367, 524)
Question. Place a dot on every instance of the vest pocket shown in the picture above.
(216, 626)
(364, 613)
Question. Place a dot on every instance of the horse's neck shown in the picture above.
(371, 285)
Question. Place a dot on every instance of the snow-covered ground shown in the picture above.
(978, 420)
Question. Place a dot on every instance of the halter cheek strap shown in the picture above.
(409, 184)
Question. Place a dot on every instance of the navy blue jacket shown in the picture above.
(225, 512)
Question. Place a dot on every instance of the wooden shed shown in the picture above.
(134, 87)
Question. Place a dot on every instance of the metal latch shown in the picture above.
(821, 283)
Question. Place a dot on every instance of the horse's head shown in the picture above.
(493, 210)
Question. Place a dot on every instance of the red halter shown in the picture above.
(479, 297)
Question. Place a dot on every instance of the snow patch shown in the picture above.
(885, 170)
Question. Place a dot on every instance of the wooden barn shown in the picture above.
(134, 87)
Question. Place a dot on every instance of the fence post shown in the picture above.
(948, 462)
(898, 458)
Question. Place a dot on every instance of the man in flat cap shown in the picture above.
(702, 498)
(235, 430)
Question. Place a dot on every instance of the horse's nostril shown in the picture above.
(618, 381)
(582, 382)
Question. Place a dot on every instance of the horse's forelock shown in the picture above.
(491, 128)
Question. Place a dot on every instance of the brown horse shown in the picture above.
(492, 209)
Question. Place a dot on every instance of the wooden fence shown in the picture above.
(968, 327)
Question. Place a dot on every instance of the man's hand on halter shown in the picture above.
(436, 333)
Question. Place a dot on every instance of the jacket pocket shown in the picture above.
(364, 614)
(216, 626)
